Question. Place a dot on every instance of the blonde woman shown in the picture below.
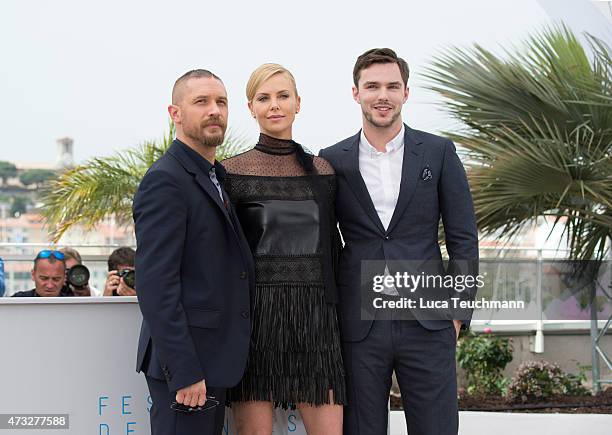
(284, 199)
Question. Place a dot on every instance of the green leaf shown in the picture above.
(537, 126)
(105, 186)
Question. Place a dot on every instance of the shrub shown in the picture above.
(484, 357)
(536, 381)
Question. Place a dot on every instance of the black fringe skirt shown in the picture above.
(295, 353)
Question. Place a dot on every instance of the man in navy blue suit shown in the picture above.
(193, 267)
(394, 184)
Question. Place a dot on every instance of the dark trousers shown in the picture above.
(165, 421)
(424, 363)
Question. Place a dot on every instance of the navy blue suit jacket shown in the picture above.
(412, 234)
(194, 272)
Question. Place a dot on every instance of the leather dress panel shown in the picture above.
(280, 227)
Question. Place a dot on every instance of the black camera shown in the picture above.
(129, 277)
(78, 276)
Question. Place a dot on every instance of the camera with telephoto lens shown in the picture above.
(78, 276)
(129, 277)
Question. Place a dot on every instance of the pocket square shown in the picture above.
(426, 174)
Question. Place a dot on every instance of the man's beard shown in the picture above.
(208, 140)
(370, 118)
(212, 140)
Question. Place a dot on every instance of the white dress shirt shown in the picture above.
(382, 174)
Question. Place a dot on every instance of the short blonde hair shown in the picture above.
(263, 73)
(71, 253)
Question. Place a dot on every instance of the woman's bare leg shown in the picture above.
(253, 418)
(322, 420)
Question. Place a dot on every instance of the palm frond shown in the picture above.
(537, 125)
(105, 186)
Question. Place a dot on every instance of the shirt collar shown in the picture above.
(204, 165)
(394, 144)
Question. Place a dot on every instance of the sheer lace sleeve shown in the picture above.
(323, 166)
(241, 164)
(274, 157)
(255, 162)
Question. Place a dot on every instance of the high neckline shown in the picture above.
(272, 145)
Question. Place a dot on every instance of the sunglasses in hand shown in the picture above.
(210, 403)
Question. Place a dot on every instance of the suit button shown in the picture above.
(167, 374)
(387, 237)
(243, 275)
(245, 314)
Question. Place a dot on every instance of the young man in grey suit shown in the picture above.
(394, 184)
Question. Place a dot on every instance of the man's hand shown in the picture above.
(193, 395)
(125, 290)
(457, 324)
(112, 283)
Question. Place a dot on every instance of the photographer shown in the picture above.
(48, 274)
(77, 275)
(121, 277)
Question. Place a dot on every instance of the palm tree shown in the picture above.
(105, 186)
(537, 125)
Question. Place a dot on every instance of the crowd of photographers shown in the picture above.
(62, 273)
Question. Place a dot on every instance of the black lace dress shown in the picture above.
(284, 199)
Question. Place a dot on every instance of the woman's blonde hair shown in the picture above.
(263, 73)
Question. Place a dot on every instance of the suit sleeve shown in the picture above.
(459, 222)
(160, 218)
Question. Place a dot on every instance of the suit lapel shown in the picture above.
(356, 183)
(411, 167)
(203, 181)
